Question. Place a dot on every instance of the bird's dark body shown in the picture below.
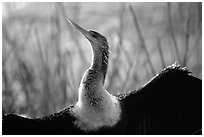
(171, 103)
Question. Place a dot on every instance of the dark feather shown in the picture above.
(171, 103)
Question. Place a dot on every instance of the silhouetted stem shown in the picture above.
(141, 39)
(187, 42)
(161, 53)
(47, 95)
(172, 33)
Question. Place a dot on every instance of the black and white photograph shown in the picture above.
(101, 68)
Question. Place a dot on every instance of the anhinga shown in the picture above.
(170, 103)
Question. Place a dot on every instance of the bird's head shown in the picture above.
(98, 41)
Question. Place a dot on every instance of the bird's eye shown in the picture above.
(94, 34)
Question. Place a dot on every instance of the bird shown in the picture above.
(169, 104)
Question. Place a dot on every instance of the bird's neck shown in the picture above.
(100, 63)
(94, 78)
(96, 107)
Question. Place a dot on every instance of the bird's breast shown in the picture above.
(96, 108)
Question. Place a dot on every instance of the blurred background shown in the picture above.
(44, 58)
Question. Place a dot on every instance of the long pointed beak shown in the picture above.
(83, 31)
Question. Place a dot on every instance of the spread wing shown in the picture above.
(171, 103)
(58, 123)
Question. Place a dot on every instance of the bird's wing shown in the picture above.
(171, 103)
(61, 122)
